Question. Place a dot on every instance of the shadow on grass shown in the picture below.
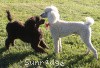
(76, 59)
(2, 50)
(8, 59)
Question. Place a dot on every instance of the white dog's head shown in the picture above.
(51, 12)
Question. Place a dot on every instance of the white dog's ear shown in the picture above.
(53, 17)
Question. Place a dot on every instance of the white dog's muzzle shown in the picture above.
(44, 15)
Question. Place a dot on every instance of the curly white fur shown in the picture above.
(60, 28)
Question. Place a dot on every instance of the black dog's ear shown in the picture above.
(30, 23)
(34, 22)
(37, 18)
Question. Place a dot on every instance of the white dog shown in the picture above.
(61, 28)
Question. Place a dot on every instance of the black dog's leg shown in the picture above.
(43, 44)
(12, 42)
(36, 48)
(8, 41)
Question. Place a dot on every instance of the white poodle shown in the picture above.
(61, 28)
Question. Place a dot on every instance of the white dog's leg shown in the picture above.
(87, 52)
(56, 45)
(90, 46)
(60, 46)
(86, 37)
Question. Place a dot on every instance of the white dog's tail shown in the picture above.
(89, 21)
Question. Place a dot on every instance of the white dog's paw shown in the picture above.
(96, 56)
(87, 52)
(56, 51)
(60, 50)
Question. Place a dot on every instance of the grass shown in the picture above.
(72, 56)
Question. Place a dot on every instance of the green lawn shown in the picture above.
(72, 56)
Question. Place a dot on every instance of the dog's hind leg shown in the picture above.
(43, 44)
(87, 52)
(8, 41)
(90, 46)
(86, 37)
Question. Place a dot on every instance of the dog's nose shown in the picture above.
(43, 21)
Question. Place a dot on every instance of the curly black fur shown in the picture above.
(28, 32)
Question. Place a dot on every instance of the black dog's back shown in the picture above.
(15, 28)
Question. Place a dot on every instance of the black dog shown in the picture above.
(28, 32)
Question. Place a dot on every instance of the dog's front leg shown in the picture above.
(43, 44)
(36, 48)
(60, 46)
(56, 45)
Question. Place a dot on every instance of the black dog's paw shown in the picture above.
(40, 50)
(43, 45)
(47, 47)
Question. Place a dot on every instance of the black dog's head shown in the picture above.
(34, 22)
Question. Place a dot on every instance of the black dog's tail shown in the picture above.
(9, 15)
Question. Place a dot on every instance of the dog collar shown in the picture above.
(47, 25)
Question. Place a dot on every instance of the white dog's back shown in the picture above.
(69, 27)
